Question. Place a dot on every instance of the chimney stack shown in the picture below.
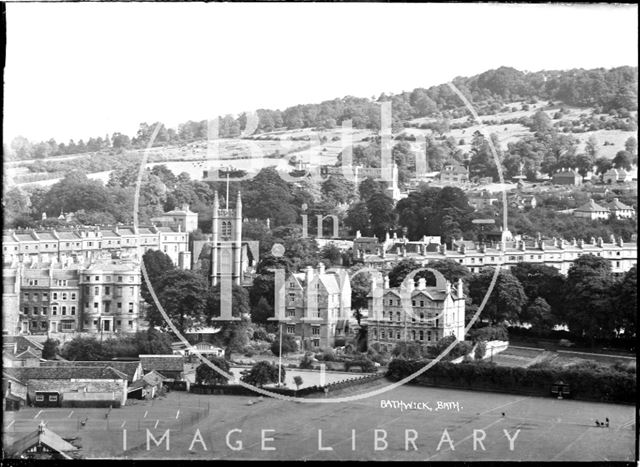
(386, 282)
(321, 268)
(600, 242)
(620, 242)
(460, 289)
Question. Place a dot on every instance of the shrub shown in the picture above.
(207, 375)
(488, 333)
(367, 365)
(481, 350)
(306, 362)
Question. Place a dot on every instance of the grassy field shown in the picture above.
(550, 429)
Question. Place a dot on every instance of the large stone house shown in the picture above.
(315, 306)
(409, 313)
(567, 177)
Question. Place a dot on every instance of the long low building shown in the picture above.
(555, 252)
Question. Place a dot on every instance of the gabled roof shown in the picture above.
(76, 372)
(41, 436)
(329, 281)
(29, 353)
(22, 342)
(591, 206)
(162, 362)
(616, 205)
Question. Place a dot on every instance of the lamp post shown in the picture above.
(280, 358)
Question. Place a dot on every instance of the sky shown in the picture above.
(75, 70)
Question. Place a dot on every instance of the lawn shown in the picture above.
(550, 429)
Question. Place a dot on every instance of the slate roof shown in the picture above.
(23, 342)
(616, 205)
(128, 369)
(162, 362)
(591, 206)
(42, 435)
(76, 372)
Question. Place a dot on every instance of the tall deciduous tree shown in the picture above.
(506, 299)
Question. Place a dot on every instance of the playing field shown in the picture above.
(541, 429)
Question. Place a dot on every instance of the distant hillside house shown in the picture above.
(612, 176)
(592, 211)
(567, 177)
(620, 210)
(182, 217)
(454, 173)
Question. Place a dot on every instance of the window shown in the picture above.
(421, 335)
(131, 278)
(119, 278)
(44, 310)
(64, 310)
(421, 316)
(398, 335)
(130, 290)
(118, 291)
(54, 310)
(26, 296)
(45, 296)
(108, 278)
(64, 296)
(291, 313)
(26, 310)
(428, 335)
(95, 305)
(73, 296)
(87, 289)
(119, 322)
(54, 295)
(95, 322)
(438, 322)
(398, 317)
(130, 324)
(382, 334)
(390, 302)
(35, 310)
(36, 296)
(291, 329)
(315, 331)
(39, 398)
(73, 310)
(119, 305)
(130, 307)
(316, 343)
(67, 326)
(53, 398)
(87, 278)
(421, 302)
(413, 303)
(107, 290)
(413, 335)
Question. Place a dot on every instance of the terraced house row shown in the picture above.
(84, 244)
(556, 252)
(98, 297)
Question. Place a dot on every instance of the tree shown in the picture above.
(631, 146)
(288, 345)
(603, 164)
(152, 342)
(332, 254)
(207, 375)
(297, 379)
(261, 312)
(541, 281)
(591, 147)
(539, 315)
(360, 289)
(622, 160)
(50, 349)
(337, 189)
(263, 373)
(382, 215)
(358, 219)
(156, 263)
(183, 296)
(626, 303)
(506, 299)
(239, 302)
(588, 299)
(83, 349)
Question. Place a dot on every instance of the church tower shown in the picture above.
(226, 248)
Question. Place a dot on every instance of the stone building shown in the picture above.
(315, 306)
(567, 177)
(593, 211)
(415, 313)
